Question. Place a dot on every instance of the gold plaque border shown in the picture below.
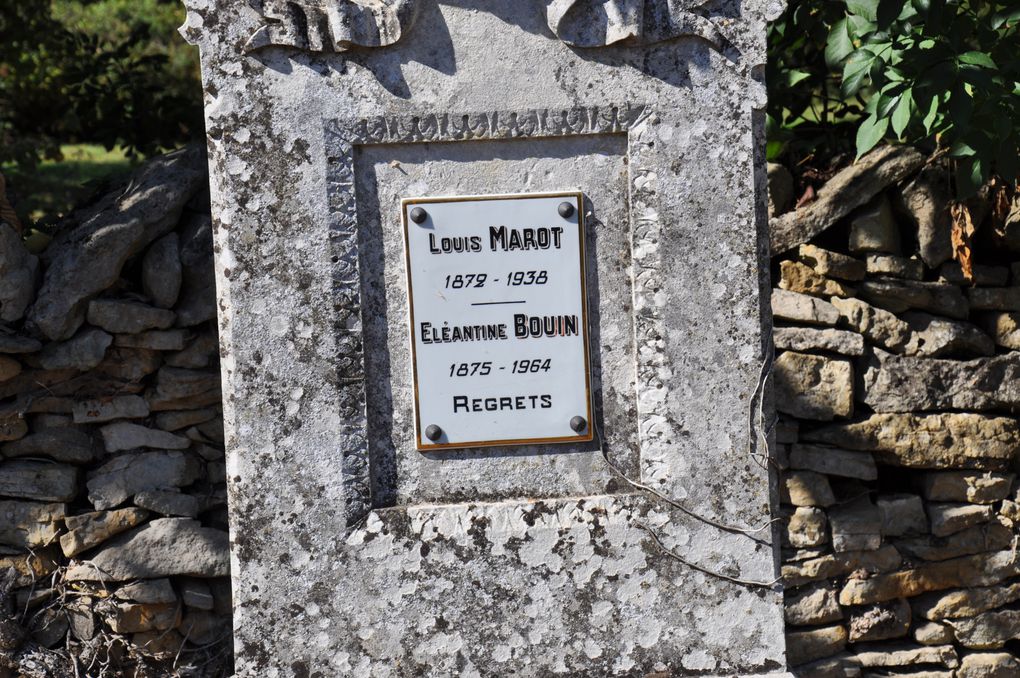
(589, 435)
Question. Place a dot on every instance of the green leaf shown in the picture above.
(870, 133)
(886, 104)
(774, 150)
(838, 46)
(1005, 16)
(855, 71)
(931, 115)
(961, 149)
(859, 27)
(888, 11)
(970, 176)
(865, 8)
(793, 76)
(961, 106)
(901, 116)
(977, 59)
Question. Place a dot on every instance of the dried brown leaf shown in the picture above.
(962, 236)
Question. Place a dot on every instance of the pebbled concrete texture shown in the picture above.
(353, 554)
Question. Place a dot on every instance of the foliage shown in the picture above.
(109, 72)
(937, 73)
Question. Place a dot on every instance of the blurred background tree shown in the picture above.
(944, 75)
(86, 88)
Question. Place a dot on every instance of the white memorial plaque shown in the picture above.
(499, 336)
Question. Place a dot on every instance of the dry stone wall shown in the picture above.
(897, 385)
(113, 526)
(895, 379)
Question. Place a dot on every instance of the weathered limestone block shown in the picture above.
(877, 325)
(30, 568)
(195, 593)
(874, 656)
(806, 646)
(39, 480)
(100, 410)
(843, 665)
(833, 461)
(856, 526)
(926, 200)
(901, 295)
(978, 539)
(880, 622)
(160, 548)
(797, 307)
(115, 481)
(976, 488)
(154, 340)
(798, 277)
(830, 566)
(151, 591)
(161, 271)
(119, 316)
(965, 602)
(88, 259)
(181, 389)
(18, 271)
(202, 351)
(813, 387)
(805, 528)
(892, 383)
(988, 630)
(978, 570)
(989, 665)
(933, 633)
(13, 343)
(831, 264)
(84, 352)
(807, 488)
(993, 276)
(811, 339)
(91, 529)
(123, 435)
(852, 187)
(934, 337)
(873, 228)
(202, 628)
(928, 441)
(812, 606)
(135, 617)
(895, 267)
(30, 525)
(197, 301)
(1004, 329)
(68, 445)
(175, 420)
(780, 185)
(947, 519)
(12, 425)
(994, 298)
(9, 368)
(168, 503)
(902, 514)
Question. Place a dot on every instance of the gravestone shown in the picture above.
(493, 331)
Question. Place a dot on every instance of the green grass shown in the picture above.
(55, 186)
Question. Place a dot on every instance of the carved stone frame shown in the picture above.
(341, 138)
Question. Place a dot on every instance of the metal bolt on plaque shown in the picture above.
(578, 424)
(418, 215)
(566, 209)
(433, 432)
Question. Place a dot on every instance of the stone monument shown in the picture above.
(494, 329)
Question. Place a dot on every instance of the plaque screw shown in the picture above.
(578, 423)
(566, 209)
(418, 215)
(434, 433)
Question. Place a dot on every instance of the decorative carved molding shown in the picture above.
(339, 25)
(342, 136)
(332, 25)
(588, 23)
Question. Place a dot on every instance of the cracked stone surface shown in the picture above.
(354, 554)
